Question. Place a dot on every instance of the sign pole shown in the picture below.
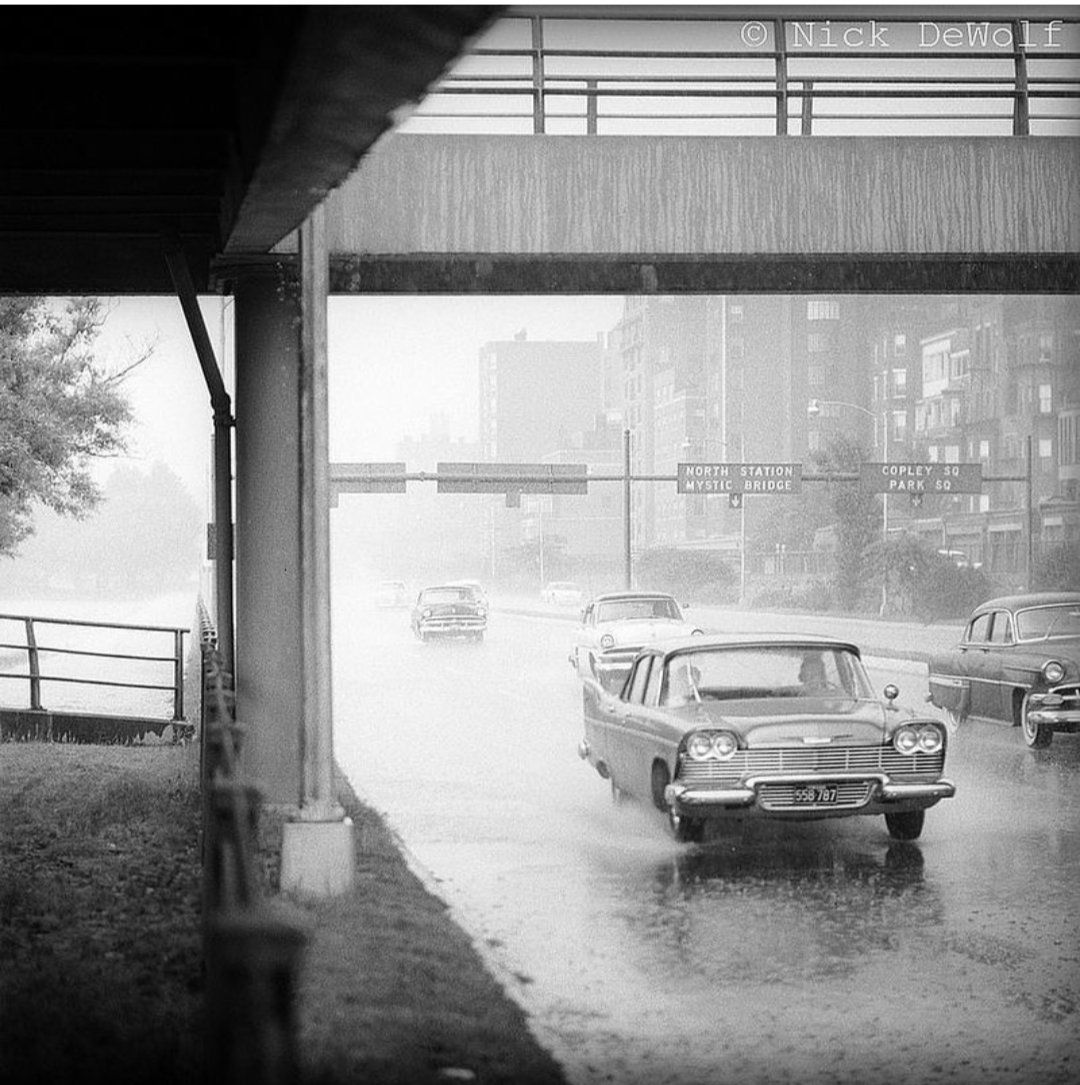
(629, 571)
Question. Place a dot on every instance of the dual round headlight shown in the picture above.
(711, 746)
(919, 738)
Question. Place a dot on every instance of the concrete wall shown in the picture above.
(710, 196)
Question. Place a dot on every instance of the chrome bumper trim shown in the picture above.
(746, 795)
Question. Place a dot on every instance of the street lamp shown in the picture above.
(813, 409)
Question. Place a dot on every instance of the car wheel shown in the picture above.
(1037, 735)
(683, 829)
(905, 826)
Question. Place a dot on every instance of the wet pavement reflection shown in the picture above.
(810, 952)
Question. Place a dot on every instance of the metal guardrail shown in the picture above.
(32, 651)
(714, 74)
(252, 951)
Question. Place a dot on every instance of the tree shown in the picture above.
(858, 522)
(59, 410)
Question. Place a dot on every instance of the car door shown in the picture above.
(997, 696)
(624, 731)
(982, 663)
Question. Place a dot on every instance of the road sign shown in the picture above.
(739, 478)
(367, 478)
(497, 478)
(921, 478)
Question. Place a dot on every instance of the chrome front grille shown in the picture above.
(849, 795)
(813, 762)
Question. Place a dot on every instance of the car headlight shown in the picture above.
(481, 612)
(919, 738)
(607, 641)
(1053, 671)
(426, 612)
(711, 746)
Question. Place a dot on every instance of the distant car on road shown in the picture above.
(1018, 661)
(449, 610)
(732, 726)
(563, 593)
(391, 593)
(615, 626)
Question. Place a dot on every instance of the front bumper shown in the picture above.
(1058, 708)
(456, 626)
(765, 795)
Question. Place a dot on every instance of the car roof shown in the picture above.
(1030, 599)
(671, 645)
(610, 595)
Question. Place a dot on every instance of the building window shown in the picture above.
(822, 310)
(984, 502)
(899, 382)
(735, 314)
(932, 453)
(954, 412)
(984, 450)
(899, 344)
(952, 453)
(1046, 448)
(1045, 399)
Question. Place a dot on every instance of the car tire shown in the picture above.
(905, 825)
(1037, 736)
(682, 829)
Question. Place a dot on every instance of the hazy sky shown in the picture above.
(394, 363)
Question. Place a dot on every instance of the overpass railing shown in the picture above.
(713, 74)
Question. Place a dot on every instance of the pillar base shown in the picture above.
(317, 857)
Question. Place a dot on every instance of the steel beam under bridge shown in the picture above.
(655, 215)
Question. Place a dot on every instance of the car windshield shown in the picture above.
(622, 610)
(1054, 621)
(448, 595)
(742, 673)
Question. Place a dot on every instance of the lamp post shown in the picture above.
(813, 409)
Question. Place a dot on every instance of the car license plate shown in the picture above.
(815, 795)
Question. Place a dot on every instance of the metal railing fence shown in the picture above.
(33, 651)
(252, 951)
(712, 74)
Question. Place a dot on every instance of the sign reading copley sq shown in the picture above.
(739, 478)
(921, 478)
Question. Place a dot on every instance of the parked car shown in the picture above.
(391, 593)
(449, 610)
(616, 625)
(563, 593)
(734, 726)
(1018, 661)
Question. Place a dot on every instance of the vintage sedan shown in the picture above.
(615, 626)
(734, 726)
(563, 593)
(449, 610)
(1017, 661)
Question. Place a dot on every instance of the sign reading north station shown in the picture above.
(921, 478)
(739, 478)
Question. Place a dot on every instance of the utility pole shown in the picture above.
(629, 569)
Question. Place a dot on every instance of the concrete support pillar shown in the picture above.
(282, 568)
(268, 648)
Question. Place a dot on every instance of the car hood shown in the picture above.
(645, 630)
(781, 722)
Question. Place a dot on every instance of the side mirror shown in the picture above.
(891, 692)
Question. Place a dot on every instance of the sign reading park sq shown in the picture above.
(921, 478)
(739, 478)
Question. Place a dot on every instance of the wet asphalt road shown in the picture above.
(814, 953)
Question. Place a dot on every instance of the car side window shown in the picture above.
(636, 688)
(979, 629)
(1001, 633)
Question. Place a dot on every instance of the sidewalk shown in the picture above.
(916, 641)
